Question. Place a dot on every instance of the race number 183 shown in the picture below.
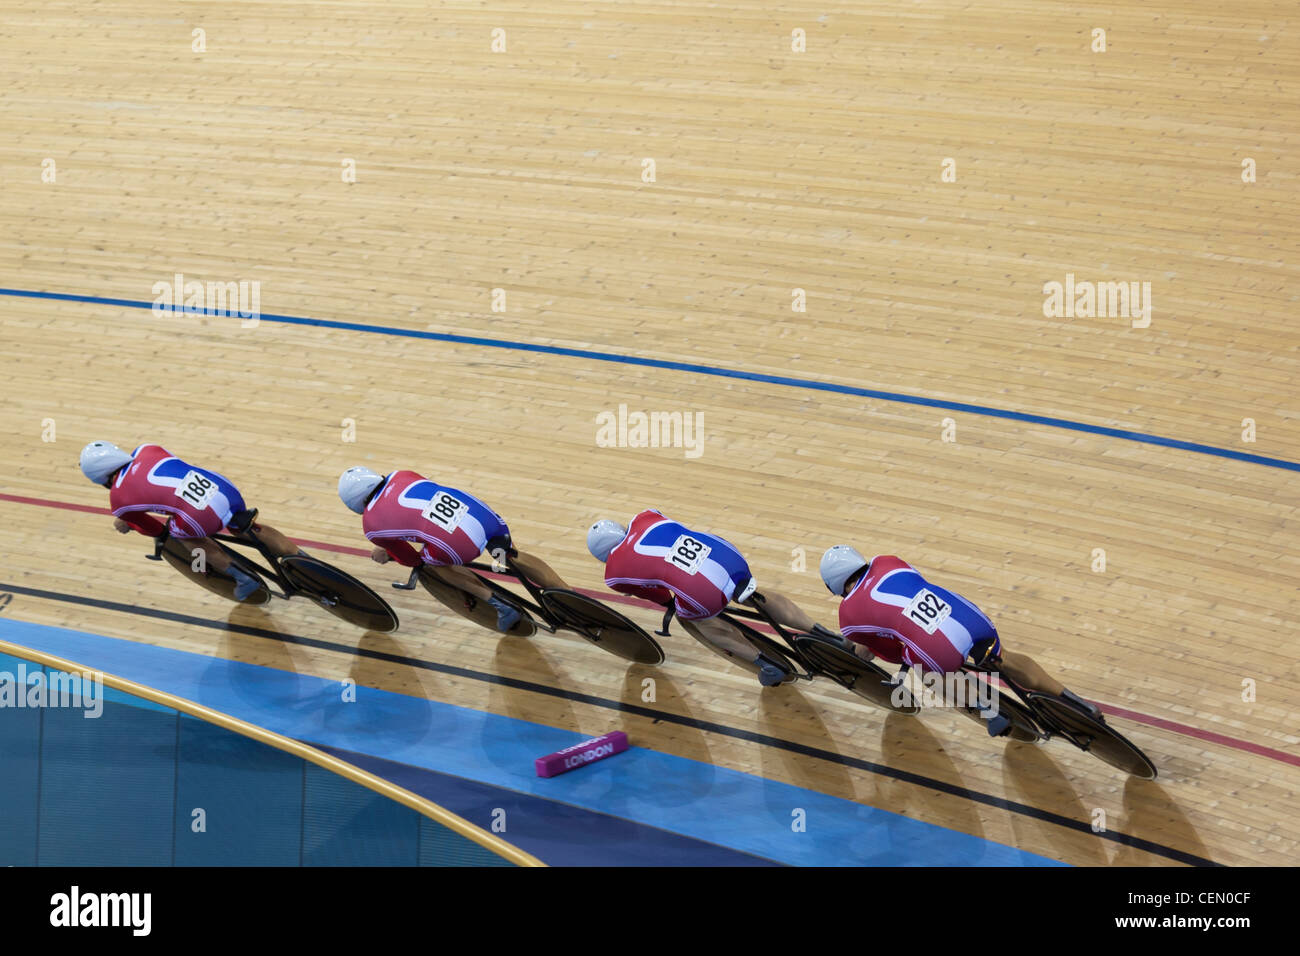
(687, 553)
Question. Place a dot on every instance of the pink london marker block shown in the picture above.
(579, 755)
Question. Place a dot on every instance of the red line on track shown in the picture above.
(1209, 736)
(47, 503)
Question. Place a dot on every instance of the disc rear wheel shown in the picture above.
(471, 608)
(1097, 737)
(180, 556)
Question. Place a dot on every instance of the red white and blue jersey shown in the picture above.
(200, 502)
(453, 527)
(904, 619)
(662, 561)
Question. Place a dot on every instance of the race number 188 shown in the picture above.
(445, 511)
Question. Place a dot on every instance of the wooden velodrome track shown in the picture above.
(775, 170)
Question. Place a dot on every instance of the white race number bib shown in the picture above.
(928, 610)
(687, 553)
(446, 511)
(196, 490)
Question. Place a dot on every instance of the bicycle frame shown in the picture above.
(1044, 723)
(1047, 725)
(760, 613)
(248, 539)
(545, 620)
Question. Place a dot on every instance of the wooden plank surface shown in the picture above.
(774, 171)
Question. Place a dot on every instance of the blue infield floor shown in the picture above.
(638, 808)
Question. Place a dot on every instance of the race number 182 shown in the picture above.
(928, 610)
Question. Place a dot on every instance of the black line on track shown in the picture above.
(975, 796)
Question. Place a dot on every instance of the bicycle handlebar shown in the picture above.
(410, 581)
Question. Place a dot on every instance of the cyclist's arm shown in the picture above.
(399, 551)
(144, 522)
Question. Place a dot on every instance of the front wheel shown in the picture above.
(602, 626)
(851, 672)
(1095, 736)
(339, 593)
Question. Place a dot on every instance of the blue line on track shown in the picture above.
(902, 398)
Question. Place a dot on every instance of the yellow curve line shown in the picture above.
(380, 786)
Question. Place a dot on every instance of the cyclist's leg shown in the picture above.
(197, 564)
(508, 614)
(212, 522)
(499, 547)
(785, 612)
(1024, 670)
(722, 637)
(244, 520)
(538, 571)
(213, 558)
(276, 542)
(535, 569)
(862, 651)
(462, 578)
(727, 640)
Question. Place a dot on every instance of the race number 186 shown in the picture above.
(196, 489)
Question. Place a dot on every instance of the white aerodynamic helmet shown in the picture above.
(839, 564)
(100, 459)
(603, 537)
(744, 593)
(356, 485)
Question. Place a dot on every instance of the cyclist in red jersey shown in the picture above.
(696, 575)
(451, 526)
(890, 611)
(197, 503)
